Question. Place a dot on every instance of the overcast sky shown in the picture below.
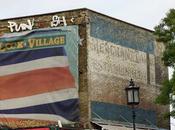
(145, 13)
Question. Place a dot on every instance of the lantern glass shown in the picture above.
(136, 96)
(130, 96)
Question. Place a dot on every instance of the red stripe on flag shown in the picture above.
(35, 82)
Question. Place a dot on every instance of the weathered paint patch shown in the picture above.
(114, 112)
(121, 34)
(116, 60)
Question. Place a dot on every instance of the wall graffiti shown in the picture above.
(29, 24)
(56, 20)
(14, 27)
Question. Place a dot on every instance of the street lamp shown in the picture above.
(132, 93)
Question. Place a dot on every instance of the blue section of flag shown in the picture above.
(24, 56)
(67, 109)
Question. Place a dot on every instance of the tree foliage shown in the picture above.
(165, 32)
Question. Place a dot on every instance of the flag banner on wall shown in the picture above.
(38, 77)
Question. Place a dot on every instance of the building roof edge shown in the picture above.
(79, 9)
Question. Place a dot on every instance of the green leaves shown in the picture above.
(164, 96)
(165, 32)
(169, 55)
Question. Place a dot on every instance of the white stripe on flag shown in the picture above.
(46, 117)
(50, 62)
(39, 99)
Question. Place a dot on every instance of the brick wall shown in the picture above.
(118, 52)
(109, 58)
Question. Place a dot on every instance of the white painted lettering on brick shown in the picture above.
(115, 60)
(58, 21)
(14, 27)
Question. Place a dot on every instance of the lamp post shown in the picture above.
(132, 93)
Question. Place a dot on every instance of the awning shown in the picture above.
(111, 126)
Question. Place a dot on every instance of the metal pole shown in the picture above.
(133, 117)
